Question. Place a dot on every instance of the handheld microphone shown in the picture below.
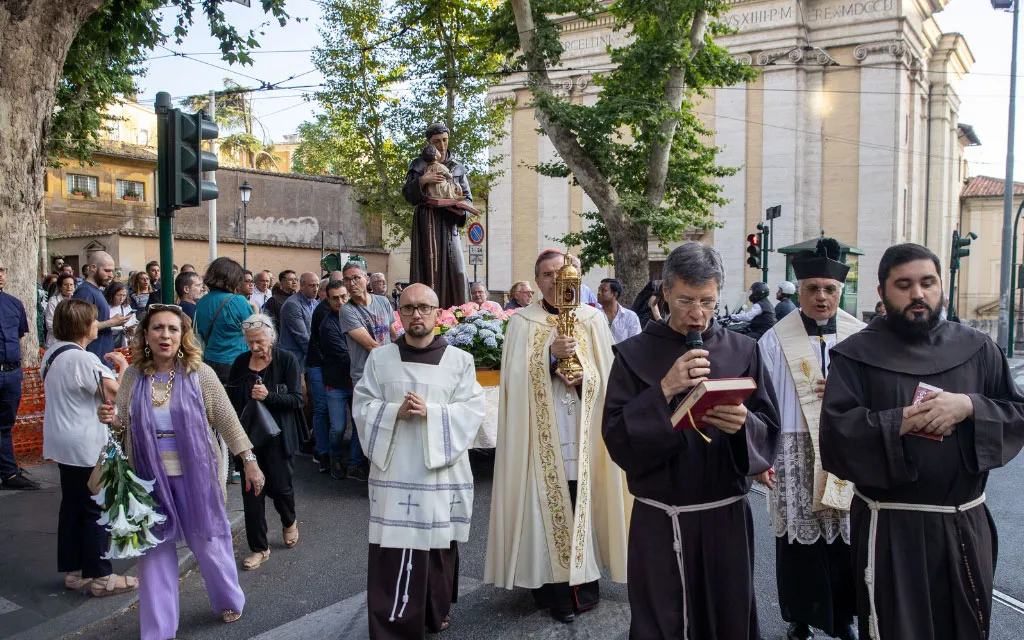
(694, 340)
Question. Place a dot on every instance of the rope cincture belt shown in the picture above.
(677, 538)
(875, 507)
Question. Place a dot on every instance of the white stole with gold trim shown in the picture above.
(830, 492)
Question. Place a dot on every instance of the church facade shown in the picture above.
(851, 127)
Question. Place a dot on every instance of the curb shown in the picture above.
(96, 611)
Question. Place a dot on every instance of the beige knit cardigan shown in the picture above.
(220, 419)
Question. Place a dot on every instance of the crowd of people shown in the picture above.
(876, 478)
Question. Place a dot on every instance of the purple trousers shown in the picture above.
(158, 577)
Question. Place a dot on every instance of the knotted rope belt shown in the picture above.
(677, 538)
(869, 572)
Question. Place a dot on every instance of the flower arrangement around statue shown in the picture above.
(129, 511)
(478, 330)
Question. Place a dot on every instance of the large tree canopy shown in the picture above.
(639, 151)
(387, 78)
(60, 64)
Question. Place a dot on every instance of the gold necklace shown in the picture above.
(167, 394)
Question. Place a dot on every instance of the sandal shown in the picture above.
(74, 581)
(447, 622)
(291, 535)
(113, 585)
(228, 616)
(255, 560)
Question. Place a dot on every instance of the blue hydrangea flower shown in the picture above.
(486, 333)
(460, 339)
(494, 325)
(490, 342)
(468, 329)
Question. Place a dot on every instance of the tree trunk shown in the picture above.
(36, 37)
(629, 240)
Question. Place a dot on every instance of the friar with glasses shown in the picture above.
(924, 544)
(419, 406)
(435, 257)
(691, 539)
(810, 509)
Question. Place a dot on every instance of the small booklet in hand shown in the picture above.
(709, 394)
(924, 389)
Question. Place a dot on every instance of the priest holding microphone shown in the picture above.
(690, 485)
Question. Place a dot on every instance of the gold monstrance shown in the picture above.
(567, 298)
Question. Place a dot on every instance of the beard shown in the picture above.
(915, 329)
(420, 331)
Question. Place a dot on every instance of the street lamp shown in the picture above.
(1007, 257)
(245, 191)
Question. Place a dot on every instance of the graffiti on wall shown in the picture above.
(304, 230)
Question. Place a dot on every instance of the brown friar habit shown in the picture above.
(431, 592)
(932, 570)
(435, 257)
(680, 469)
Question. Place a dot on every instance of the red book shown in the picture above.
(922, 390)
(709, 394)
(453, 204)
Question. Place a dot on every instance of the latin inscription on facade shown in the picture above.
(830, 13)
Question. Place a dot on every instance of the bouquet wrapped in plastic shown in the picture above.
(129, 511)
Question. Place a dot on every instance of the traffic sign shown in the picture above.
(476, 233)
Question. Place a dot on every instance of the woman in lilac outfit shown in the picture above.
(170, 410)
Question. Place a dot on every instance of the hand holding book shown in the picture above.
(935, 413)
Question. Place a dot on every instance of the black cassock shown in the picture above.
(933, 571)
(435, 256)
(678, 468)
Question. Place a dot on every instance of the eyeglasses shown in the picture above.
(254, 324)
(689, 304)
(409, 309)
(350, 279)
(814, 289)
(3, 270)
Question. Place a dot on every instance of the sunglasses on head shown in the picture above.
(254, 324)
(164, 307)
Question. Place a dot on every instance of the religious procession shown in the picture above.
(527, 320)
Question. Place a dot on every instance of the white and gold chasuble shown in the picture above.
(535, 537)
(421, 483)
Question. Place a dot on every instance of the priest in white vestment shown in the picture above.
(810, 508)
(559, 504)
(419, 406)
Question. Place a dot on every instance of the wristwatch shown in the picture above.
(249, 457)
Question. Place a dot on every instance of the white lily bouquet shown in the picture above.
(129, 511)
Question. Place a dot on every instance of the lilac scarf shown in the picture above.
(202, 509)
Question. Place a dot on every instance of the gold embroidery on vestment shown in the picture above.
(539, 378)
(583, 487)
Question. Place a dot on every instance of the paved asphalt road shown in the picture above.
(317, 589)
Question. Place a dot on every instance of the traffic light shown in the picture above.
(959, 249)
(186, 161)
(754, 250)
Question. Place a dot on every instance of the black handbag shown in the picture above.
(258, 424)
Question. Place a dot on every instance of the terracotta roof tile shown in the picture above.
(987, 187)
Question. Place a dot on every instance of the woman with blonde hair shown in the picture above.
(170, 410)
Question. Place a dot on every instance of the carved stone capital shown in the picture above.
(794, 55)
(743, 58)
(500, 96)
(894, 48)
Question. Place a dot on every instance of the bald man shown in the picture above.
(91, 290)
(419, 407)
(297, 317)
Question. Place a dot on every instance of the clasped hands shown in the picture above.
(937, 414)
(689, 370)
(414, 405)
